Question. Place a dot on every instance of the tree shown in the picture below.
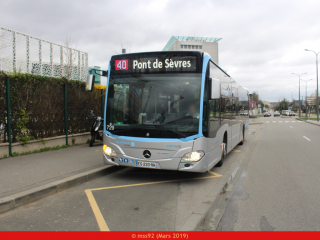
(283, 105)
(255, 97)
(69, 57)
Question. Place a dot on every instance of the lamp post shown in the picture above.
(299, 92)
(317, 97)
(306, 81)
(280, 102)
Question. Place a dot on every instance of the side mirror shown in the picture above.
(104, 73)
(90, 82)
(215, 88)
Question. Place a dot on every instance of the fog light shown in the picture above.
(194, 156)
(109, 151)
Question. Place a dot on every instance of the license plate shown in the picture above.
(147, 164)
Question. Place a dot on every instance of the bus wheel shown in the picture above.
(242, 142)
(223, 155)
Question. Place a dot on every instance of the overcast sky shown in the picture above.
(262, 42)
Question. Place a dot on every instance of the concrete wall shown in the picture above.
(210, 47)
(80, 138)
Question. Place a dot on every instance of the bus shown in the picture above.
(171, 110)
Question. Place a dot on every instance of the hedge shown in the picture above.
(37, 106)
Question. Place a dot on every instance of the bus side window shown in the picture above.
(206, 106)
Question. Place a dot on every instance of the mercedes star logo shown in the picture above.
(146, 153)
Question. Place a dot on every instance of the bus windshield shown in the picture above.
(154, 105)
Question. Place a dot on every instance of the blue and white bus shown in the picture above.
(175, 110)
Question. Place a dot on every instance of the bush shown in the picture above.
(37, 106)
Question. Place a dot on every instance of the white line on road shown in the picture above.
(287, 121)
(273, 121)
(290, 126)
(293, 121)
(280, 121)
(306, 138)
(267, 121)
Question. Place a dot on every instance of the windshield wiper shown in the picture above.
(179, 133)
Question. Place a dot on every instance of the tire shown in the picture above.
(92, 141)
(242, 142)
(223, 155)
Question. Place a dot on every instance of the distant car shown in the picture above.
(267, 114)
(276, 114)
(291, 113)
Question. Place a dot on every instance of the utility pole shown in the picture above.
(317, 97)
(299, 92)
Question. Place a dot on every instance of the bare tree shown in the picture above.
(69, 57)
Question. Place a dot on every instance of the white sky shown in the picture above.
(263, 41)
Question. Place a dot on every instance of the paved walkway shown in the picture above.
(313, 122)
(22, 173)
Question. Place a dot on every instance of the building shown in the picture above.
(186, 43)
(252, 104)
(267, 105)
(311, 100)
(97, 79)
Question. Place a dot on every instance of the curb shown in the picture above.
(252, 123)
(212, 198)
(308, 121)
(34, 194)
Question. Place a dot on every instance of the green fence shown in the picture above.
(36, 107)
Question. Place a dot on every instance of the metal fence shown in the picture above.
(27, 54)
(52, 108)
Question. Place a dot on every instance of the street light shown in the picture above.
(299, 93)
(280, 102)
(306, 81)
(317, 98)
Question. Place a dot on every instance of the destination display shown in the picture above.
(158, 62)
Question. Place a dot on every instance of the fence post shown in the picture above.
(9, 117)
(102, 107)
(65, 113)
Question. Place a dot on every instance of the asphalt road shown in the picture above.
(279, 188)
(125, 199)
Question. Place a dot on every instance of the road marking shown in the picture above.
(290, 126)
(235, 150)
(293, 121)
(287, 121)
(267, 121)
(306, 138)
(273, 121)
(96, 210)
(280, 121)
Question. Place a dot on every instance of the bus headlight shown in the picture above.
(109, 151)
(194, 156)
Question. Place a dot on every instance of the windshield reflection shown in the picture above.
(164, 106)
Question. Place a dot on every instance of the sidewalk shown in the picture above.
(313, 122)
(18, 174)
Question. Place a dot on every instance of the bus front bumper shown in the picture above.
(174, 164)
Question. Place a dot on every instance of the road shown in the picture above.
(124, 199)
(279, 187)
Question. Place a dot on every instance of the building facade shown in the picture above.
(186, 43)
(97, 79)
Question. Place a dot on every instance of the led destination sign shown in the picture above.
(169, 62)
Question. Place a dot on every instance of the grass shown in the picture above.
(15, 154)
(315, 119)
